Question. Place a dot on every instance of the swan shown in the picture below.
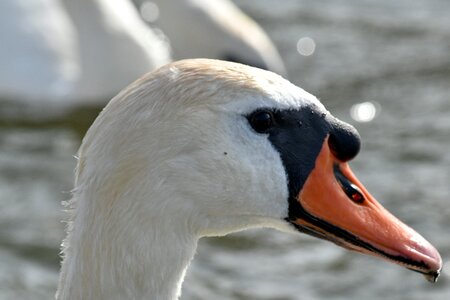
(216, 29)
(204, 148)
(115, 46)
(65, 54)
(36, 35)
(71, 53)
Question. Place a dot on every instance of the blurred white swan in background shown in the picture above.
(73, 51)
(115, 46)
(215, 29)
(69, 53)
(36, 35)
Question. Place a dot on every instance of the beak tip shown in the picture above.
(427, 253)
(433, 276)
(432, 257)
(436, 266)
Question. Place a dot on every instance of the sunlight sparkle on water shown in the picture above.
(306, 46)
(149, 11)
(364, 112)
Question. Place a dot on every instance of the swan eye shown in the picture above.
(261, 121)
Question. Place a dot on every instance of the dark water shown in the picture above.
(393, 54)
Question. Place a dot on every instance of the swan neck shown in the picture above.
(120, 260)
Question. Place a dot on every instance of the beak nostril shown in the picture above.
(350, 189)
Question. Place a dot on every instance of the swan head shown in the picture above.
(211, 147)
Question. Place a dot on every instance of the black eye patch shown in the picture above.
(298, 135)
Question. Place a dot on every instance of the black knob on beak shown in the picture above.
(344, 140)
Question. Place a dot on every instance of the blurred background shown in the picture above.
(383, 66)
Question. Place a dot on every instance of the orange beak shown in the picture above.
(337, 207)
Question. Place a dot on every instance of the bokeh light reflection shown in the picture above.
(365, 111)
(306, 46)
(149, 11)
